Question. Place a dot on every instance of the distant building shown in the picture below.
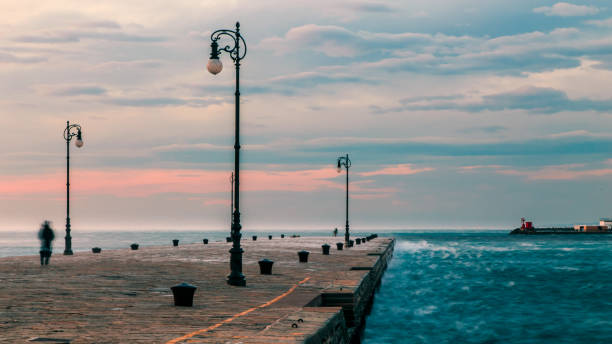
(587, 228)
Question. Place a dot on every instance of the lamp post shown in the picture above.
(232, 197)
(346, 162)
(214, 66)
(69, 133)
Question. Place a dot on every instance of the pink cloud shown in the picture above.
(478, 167)
(558, 173)
(141, 183)
(401, 169)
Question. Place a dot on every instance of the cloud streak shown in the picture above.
(564, 9)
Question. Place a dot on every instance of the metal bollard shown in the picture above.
(134, 247)
(205, 241)
(228, 239)
(282, 236)
(303, 256)
(96, 250)
(325, 248)
(269, 237)
(175, 242)
(339, 245)
(358, 241)
(265, 266)
(350, 243)
(254, 237)
(183, 294)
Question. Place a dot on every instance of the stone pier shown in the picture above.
(124, 296)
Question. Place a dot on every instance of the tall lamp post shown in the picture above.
(232, 197)
(214, 66)
(71, 131)
(346, 162)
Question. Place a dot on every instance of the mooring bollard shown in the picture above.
(254, 237)
(363, 240)
(183, 294)
(175, 242)
(325, 248)
(350, 243)
(358, 241)
(265, 266)
(205, 241)
(96, 250)
(282, 236)
(303, 256)
(339, 245)
(269, 237)
(228, 239)
(134, 246)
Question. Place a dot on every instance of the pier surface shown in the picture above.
(124, 296)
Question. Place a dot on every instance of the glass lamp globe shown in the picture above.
(78, 143)
(214, 66)
(339, 169)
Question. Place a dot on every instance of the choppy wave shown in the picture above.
(494, 288)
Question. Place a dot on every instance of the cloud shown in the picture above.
(563, 172)
(289, 84)
(11, 58)
(76, 35)
(161, 101)
(601, 23)
(564, 9)
(398, 170)
(532, 99)
(127, 65)
(90, 90)
(441, 53)
(146, 182)
(371, 7)
(491, 129)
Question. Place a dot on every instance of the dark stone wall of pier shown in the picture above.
(348, 323)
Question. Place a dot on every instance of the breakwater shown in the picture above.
(123, 296)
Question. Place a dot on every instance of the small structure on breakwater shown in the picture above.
(528, 228)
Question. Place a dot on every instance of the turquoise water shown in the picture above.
(476, 287)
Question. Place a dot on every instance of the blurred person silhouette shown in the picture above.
(46, 236)
(335, 231)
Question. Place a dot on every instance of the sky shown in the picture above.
(455, 114)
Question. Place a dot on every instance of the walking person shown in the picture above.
(335, 231)
(46, 236)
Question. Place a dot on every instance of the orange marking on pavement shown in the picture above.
(238, 315)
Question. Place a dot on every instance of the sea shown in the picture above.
(449, 286)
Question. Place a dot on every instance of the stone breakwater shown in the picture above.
(123, 296)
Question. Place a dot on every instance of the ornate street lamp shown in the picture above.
(215, 66)
(69, 133)
(346, 162)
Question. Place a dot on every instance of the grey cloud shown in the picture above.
(287, 84)
(532, 99)
(491, 129)
(541, 100)
(445, 54)
(372, 7)
(80, 90)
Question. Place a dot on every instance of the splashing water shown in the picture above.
(489, 287)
